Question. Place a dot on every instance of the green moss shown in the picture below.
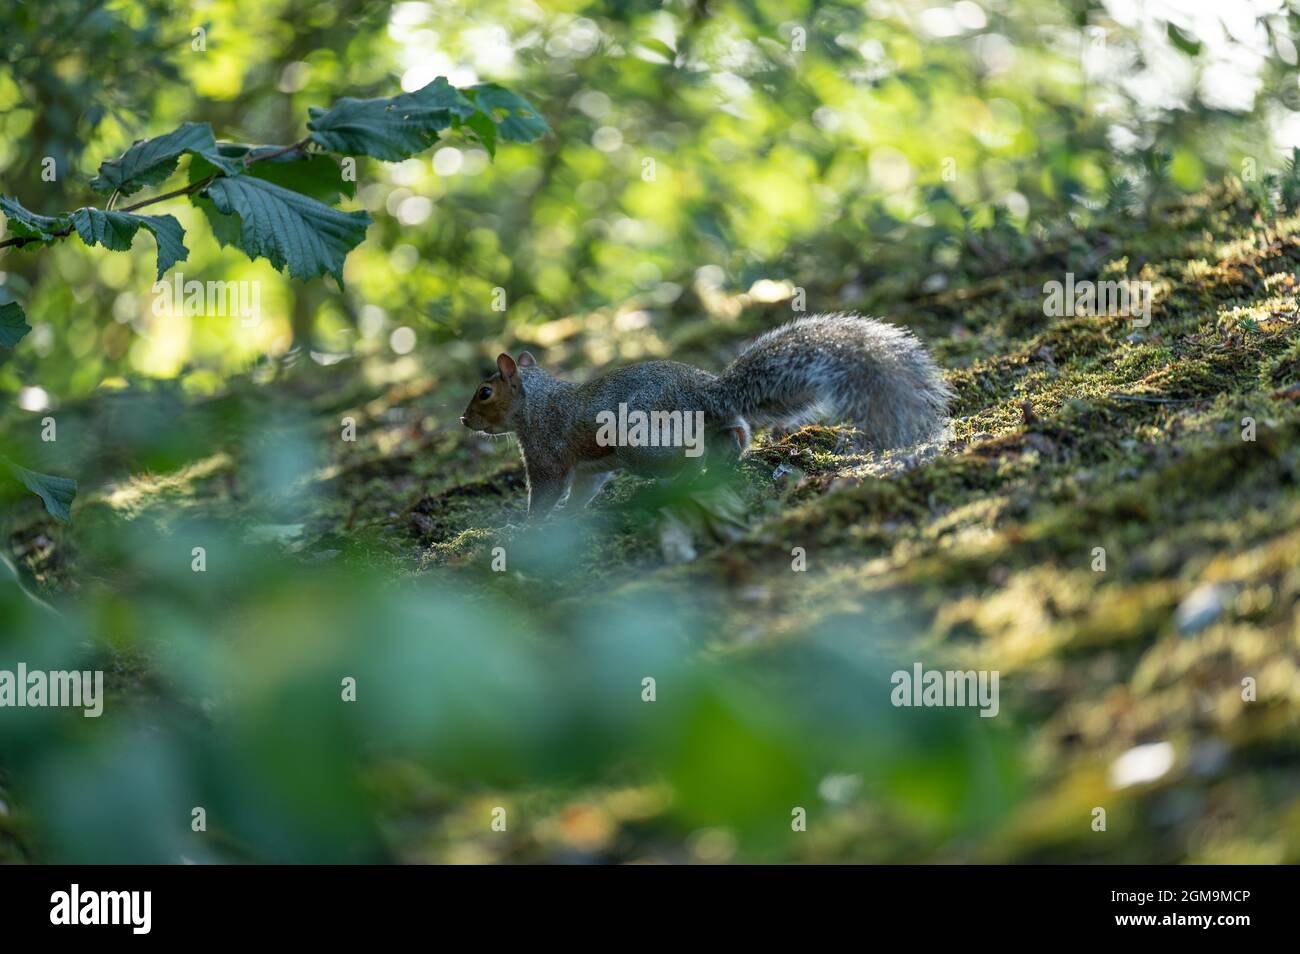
(1073, 435)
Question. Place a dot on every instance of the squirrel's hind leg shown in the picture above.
(726, 445)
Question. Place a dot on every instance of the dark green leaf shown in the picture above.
(514, 117)
(486, 130)
(13, 324)
(116, 230)
(56, 492)
(1178, 38)
(289, 229)
(27, 224)
(150, 161)
(390, 129)
(225, 228)
(317, 175)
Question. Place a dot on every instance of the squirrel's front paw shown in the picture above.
(675, 541)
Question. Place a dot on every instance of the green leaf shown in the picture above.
(56, 492)
(513, 116)
(116, 230)
(27, 224)
(289, 229)
(225, 228)
(486, 130)
(391, 129)
(13, 324)
(150, 161)
(658, 48)
(1178, 38)
(318, 176)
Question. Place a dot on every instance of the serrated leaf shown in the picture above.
(289, 229)
(225, 228)
(150, 161)
(513, 116)
(56, 493)
(13, 324)
(390, 129)
(116, 230)
(28, 224)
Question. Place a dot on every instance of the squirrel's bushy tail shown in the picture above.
(841, 368)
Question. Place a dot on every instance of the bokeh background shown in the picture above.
(712, 168)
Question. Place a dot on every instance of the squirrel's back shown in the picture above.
(841, 367)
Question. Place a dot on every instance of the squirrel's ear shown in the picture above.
(506, 365)
(526, 360)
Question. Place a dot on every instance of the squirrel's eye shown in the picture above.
(484, 393)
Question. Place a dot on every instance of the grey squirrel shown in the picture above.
(844, 367)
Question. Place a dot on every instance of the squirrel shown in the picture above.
(844, 367)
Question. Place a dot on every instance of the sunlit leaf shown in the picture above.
(1178, 38)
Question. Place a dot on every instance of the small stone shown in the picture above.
(840, 789)
(1200, 608)
(1142, 764)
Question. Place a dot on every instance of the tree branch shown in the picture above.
(300, 146)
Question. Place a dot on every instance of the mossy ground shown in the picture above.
(1072, 436)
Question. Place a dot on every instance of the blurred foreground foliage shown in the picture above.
(225, 689)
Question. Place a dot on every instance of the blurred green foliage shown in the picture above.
(225, 692)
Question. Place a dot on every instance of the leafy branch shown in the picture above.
(278, 214)
(273, 202)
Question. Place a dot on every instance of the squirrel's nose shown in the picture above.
(462, 420)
